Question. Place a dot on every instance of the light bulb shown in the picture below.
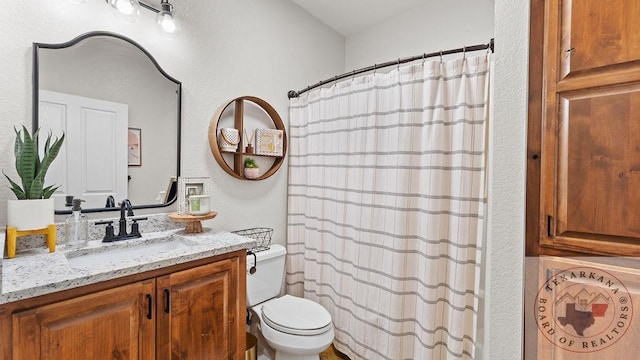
(167, 24)
(125, 9)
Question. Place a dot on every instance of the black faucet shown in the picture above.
(125, 205)
(125, 210)
(111, 202)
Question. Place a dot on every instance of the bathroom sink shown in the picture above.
(84, 259)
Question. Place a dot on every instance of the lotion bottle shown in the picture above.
(76, 226)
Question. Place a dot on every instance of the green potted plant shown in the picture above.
(251, 168)
(33, 208)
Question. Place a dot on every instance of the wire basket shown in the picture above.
(261, 235)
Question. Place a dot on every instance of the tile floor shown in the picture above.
(332, 354)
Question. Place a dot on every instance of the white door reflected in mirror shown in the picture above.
(92, 163)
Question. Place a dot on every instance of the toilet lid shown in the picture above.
(296, 316)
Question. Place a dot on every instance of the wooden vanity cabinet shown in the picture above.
(110, 324)
(189, 311)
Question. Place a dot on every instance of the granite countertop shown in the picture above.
(37, 272)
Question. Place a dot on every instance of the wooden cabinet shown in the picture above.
(189, 311)
(583, 186)
(110, 324)
(196, 315)
(234, 166)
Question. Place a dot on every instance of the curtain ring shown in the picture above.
(353, 75)
(440, 55)
(464, 52)
(374, 68)
(424, 56)
(398, 64)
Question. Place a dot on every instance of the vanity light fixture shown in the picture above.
(129, 10)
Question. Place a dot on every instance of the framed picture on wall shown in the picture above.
(134, 143)
(190, 186)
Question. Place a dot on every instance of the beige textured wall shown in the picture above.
(437, 25)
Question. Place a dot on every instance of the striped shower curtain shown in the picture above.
(386, 208)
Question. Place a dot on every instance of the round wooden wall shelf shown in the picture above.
(236, 168)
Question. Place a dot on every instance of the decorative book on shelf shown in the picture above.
(269, 142)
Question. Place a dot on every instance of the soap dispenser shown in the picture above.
(76, 226)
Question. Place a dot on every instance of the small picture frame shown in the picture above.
(269, 142)
(134, 145)
(190, 186)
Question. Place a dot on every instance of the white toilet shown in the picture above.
(296, 328)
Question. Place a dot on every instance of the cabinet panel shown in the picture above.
(199, 312)
(591, 172)
(599, 156)
(110, 324)
(596, 34)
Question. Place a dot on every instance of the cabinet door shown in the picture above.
(590, 135)
(110, 324)
(199, 313)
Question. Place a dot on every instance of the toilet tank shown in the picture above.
(266, 282)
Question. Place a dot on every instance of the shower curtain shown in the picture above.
(386, 205)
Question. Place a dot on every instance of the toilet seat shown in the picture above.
(296, 316)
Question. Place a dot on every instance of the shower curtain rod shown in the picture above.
(294, 94)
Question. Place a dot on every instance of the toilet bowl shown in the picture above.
(296, 328)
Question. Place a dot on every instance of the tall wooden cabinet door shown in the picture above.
(111, 324)
(200, 312)
(590, 169)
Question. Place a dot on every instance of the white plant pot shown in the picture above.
(251, 173)
(30, 214)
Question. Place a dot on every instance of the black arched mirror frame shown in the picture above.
(35, 104)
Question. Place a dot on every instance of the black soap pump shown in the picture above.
(76, 226)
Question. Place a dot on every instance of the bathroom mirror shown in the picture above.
(120, 112)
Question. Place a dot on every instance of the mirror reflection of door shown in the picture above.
(92, 163)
